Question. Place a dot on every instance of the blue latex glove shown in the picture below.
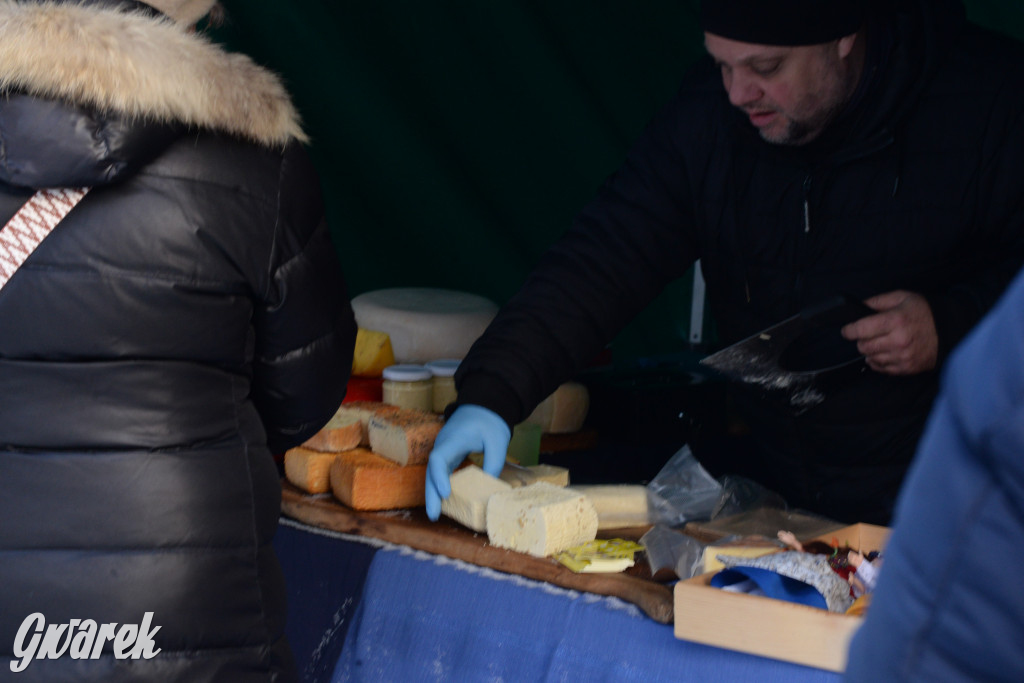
(470, 429)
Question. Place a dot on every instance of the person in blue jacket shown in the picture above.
(949, 604)
(870, 149)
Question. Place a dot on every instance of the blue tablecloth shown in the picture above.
(388, 613)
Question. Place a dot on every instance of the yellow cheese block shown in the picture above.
(711, 553)
(373, 353)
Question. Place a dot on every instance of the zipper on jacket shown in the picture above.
(807, 204)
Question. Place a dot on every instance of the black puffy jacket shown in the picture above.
(185, 321)
(918, 185)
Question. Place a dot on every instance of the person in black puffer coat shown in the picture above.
(186, 321)
(869, 149)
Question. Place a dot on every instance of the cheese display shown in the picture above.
(540, 519)
(564, 411)
(308, 469)
(618, 505)
(364, 480)
(471, 489)
(405, 436)
(372, 354)
(343, 432)
(424, 324)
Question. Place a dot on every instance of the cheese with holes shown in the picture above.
(618, 505)
(372, 354)
(406, 436)
(308, 469)
(364, 480)
(471, 488)
(540, 519)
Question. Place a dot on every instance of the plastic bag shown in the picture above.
(682, 491)
(669, 549)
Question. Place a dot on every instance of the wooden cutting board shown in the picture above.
(412, 528)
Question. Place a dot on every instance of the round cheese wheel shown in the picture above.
(425, 324)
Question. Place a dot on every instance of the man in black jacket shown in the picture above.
(864, 149)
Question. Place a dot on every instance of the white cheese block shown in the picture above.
(471, 488)
(540, 519)
(618, 505)
(425, 324)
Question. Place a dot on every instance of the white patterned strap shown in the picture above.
(33, 222)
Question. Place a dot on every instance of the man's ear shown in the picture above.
(844, 46)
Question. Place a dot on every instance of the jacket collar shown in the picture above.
(158, 71)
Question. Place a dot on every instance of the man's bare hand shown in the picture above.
(900, 339)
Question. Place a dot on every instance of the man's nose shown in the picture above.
(743, 90)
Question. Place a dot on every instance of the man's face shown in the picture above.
(790, 94)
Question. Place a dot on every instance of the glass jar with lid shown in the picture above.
(443, 371)
(409, 386)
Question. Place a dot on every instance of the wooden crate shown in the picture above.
(769, 627)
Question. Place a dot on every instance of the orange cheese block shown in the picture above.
(308, 469)
(344, 432)
(347, 429)
(364, 480)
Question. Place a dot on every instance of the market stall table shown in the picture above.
(363, 608)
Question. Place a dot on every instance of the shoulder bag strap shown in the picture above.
(33, 222)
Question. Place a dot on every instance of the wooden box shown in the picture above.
(768, 627)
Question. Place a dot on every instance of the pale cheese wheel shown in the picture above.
(564, 411)
(425, 324)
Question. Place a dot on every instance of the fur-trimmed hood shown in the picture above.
(125, 59)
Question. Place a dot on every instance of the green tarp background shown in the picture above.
(456, 139)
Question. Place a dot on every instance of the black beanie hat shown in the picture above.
(781, 22)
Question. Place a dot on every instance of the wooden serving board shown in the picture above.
(412, 528)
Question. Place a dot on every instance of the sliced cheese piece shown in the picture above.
(517, 475)
(564, 411)
(343, 432)
(406, 436)
(712, 553)
(372, 354)
(471, 488)
(618, 505)
(540, 519)
(364, 480)
(308, 469)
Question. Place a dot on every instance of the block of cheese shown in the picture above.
(540, 519)
(361, 412)
(308, 469)
(471, 488)
(372, 354)
(618, 505)
(343, 432)
(406, 436)
(745, 547)
(517, 475)
(364, 480)
(564, 411)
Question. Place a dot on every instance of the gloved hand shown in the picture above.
(470, 429)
